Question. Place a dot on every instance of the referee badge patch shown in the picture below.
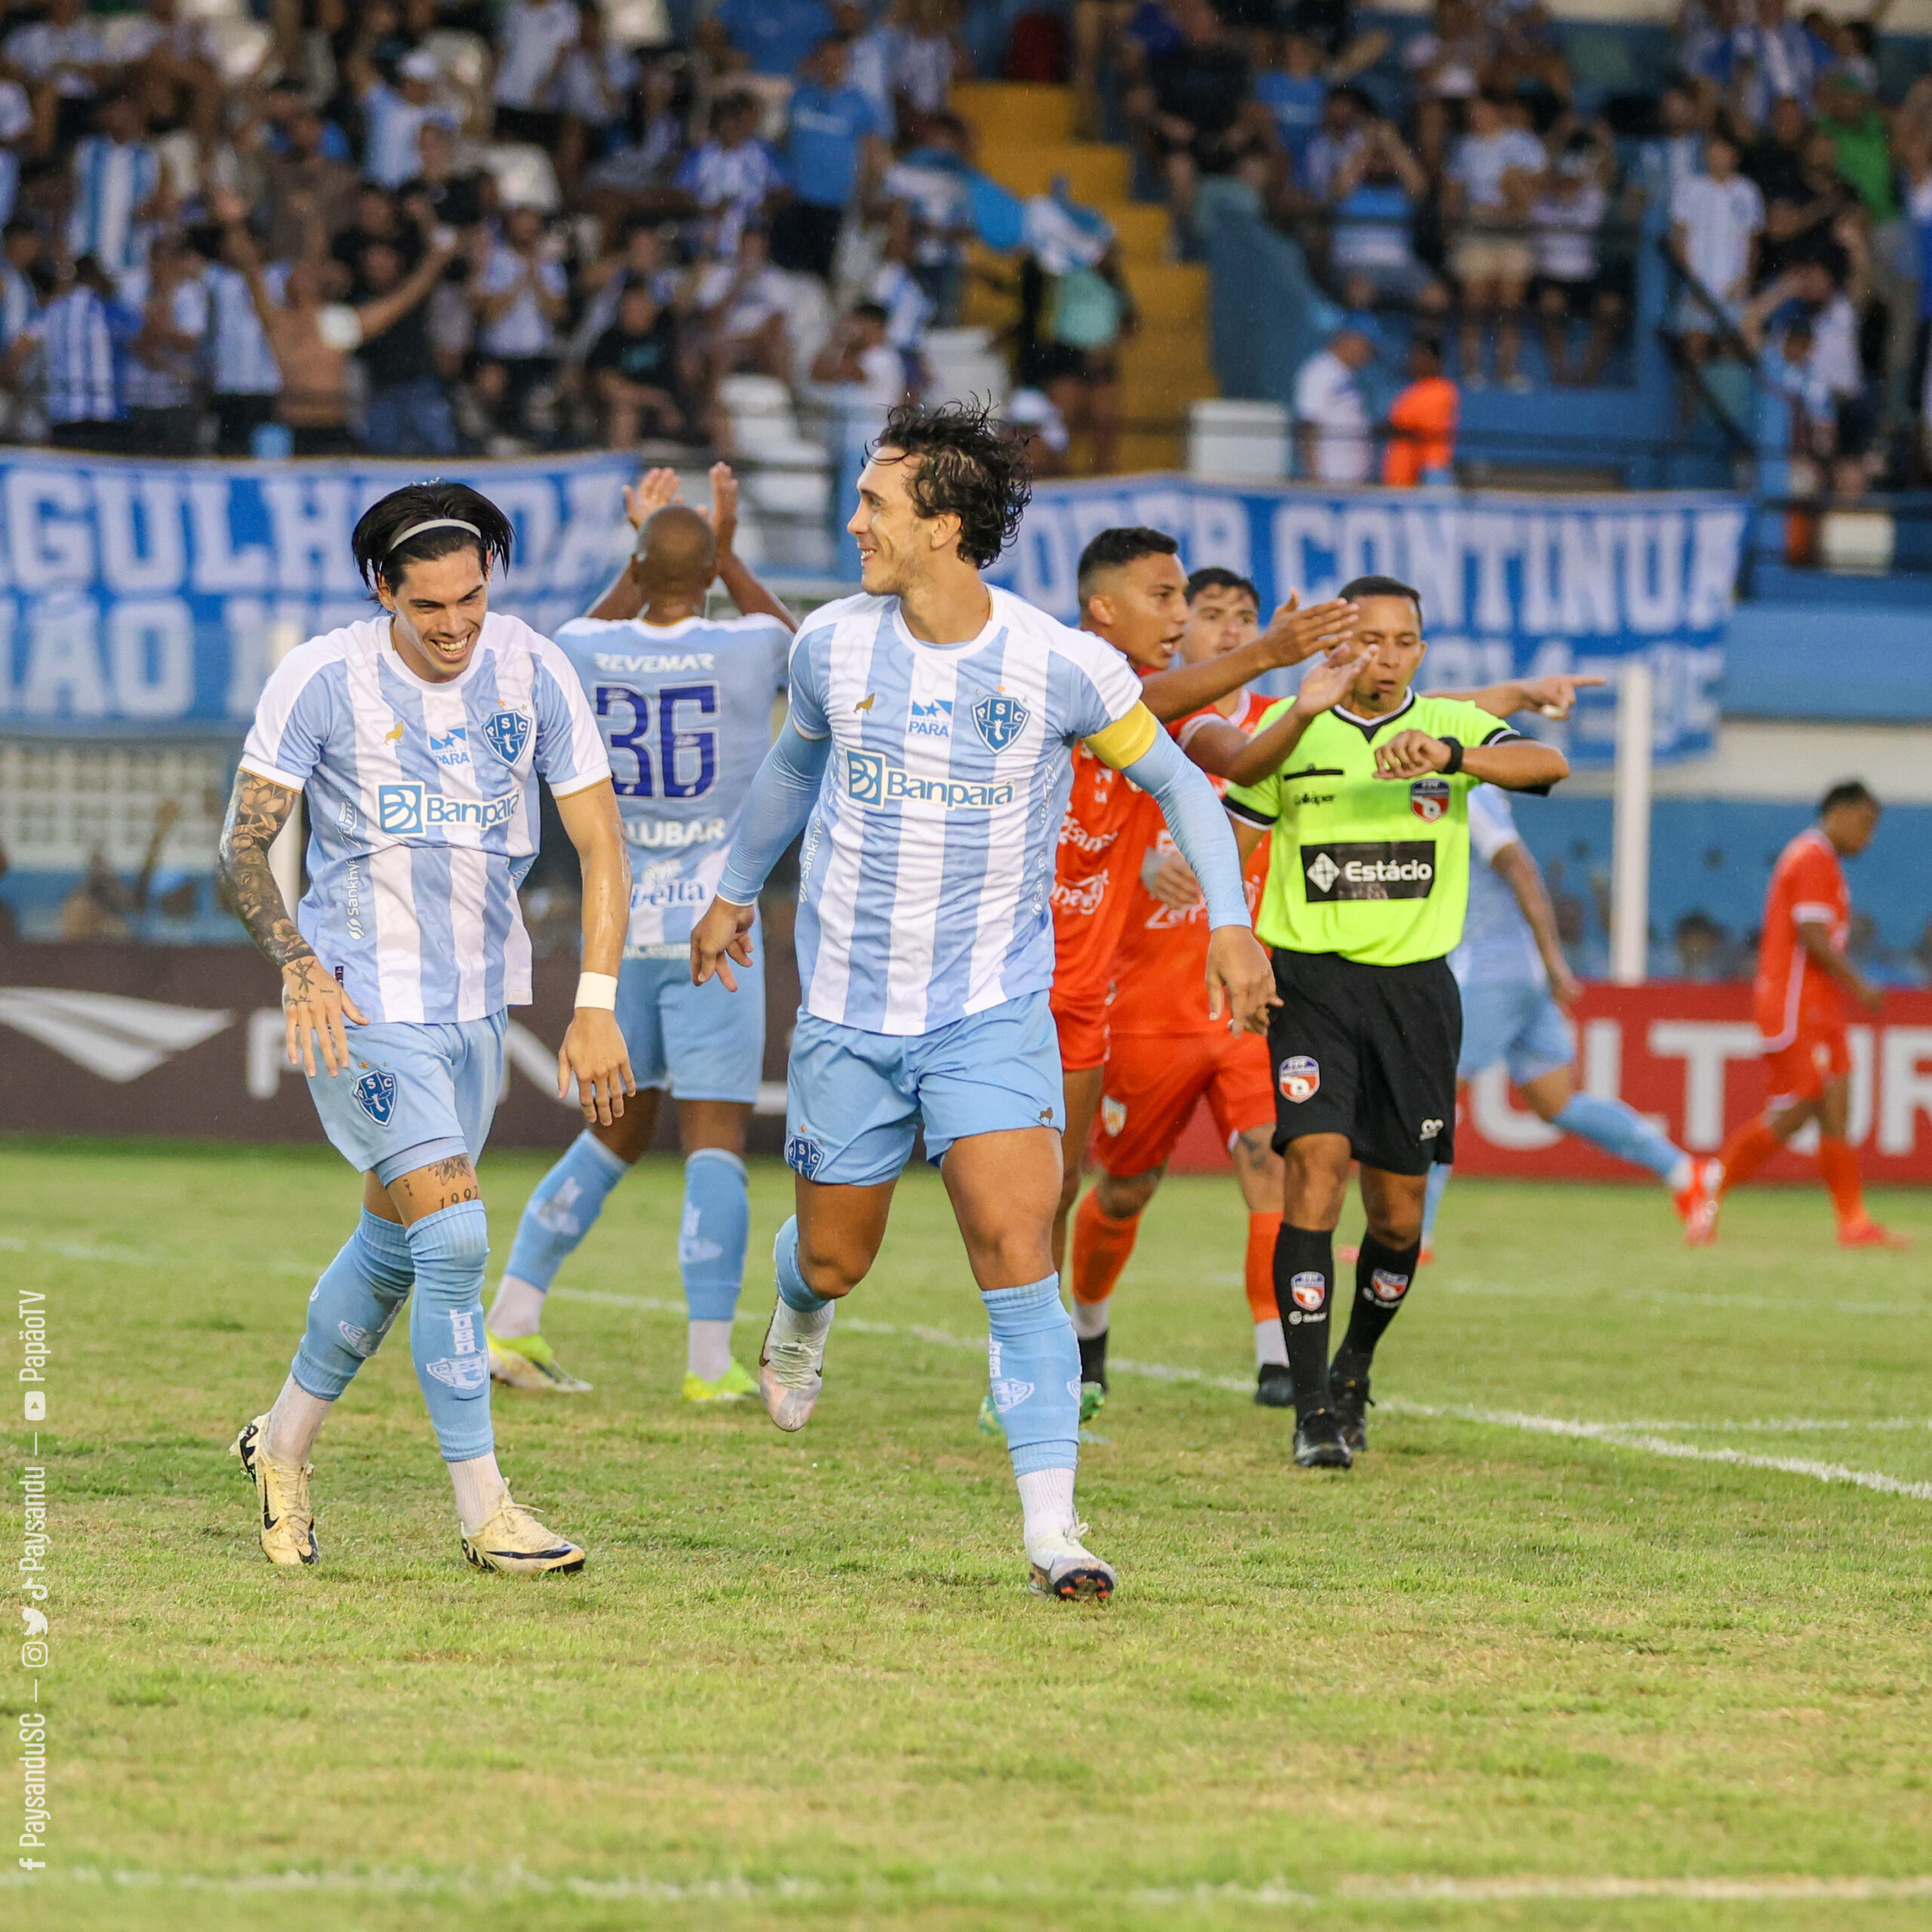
(1309, 1290)
(1428, 799)
(1300, 1078)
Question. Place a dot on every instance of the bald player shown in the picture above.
(684, 703)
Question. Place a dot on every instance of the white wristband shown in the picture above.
(598, 989)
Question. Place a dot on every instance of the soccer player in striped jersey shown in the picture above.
(1804, 972)
(418, 735)
(684, 702)
(1165, 1055)
(926, 758)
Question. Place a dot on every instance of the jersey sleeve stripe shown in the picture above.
(1504, 734)
(1822, 915)
(568, 788)
(1239, 808)
(261, 768)
(1126, 739)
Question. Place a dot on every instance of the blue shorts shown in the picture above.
(705, 1043)
(855, 1099)
(1516, 1021)
(412, 1094)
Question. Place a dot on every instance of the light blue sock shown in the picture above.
(1438, 1181)
(711, 1239)
(792, 1289)
(446, 1327)
(1033, 1369)
(567, 1203)
(1619, 1129)
(353, 1306)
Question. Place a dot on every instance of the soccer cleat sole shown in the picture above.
(563, 1560)
(1090, 1582)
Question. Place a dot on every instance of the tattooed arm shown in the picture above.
(313, 1006)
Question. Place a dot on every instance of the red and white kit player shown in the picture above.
(1804, 972)
(1133, 592)
(1165, 1053)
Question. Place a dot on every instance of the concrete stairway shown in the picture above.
(1023, 136)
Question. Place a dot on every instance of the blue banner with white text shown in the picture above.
(136, 597)
(1511, 585)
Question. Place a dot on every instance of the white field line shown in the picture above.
(1641, 1437)
(1682, 1298)
(406, 1882)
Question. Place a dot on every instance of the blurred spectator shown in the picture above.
(732, 178)
(744, 306)
(533, 37)
(1331, 413)
(1447, 60)
(1494, 173)
(393, 117)
(633, 368)
(1372, 256)
(859, 363)
(929, 213)
(64, 54)
(765, 36)
(81, 332)
(519, 294)
(1067, 343)
(1422, 422)
(1676, 152)
(1716, 219)
(1701, 945)
(118, 189)
(925, 54)
(1769, 59)
(163, 357)
(1342, 137)
(835, 151)
(246, 380)
(594, 77)
(1294, 94)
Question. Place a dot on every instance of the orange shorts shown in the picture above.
(1153, 1081)
(1080, 1013)
(1799, 1072)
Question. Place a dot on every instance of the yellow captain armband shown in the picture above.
(1126, 739)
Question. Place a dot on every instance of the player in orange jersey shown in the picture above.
(1133, 592)
(1803, 972)
(1165, 1055)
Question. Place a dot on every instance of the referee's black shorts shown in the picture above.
(1370, 1052)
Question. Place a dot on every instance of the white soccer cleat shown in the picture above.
(791, 1366)
(1063, 1567)
(288, 1523)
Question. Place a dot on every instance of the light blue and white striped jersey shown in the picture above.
(685, 712)
(76, 331)
(111, 181)
(926, 878)
(143, 386)
(422, 808)
(240, 361)
(1497, 947)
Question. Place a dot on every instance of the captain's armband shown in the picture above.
(1126, 739)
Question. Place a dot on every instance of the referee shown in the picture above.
(1367, 877)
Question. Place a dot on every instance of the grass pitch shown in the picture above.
(1495, 1676)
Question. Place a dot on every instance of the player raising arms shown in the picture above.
(684, 702)
(1803, 972)
(1165, 1054)
(1133, 593)
(1517, 988)
(418, 735)
(1364, 801)
(927, 757)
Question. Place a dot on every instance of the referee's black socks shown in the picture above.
(1383, 1275)
(1304, 1290)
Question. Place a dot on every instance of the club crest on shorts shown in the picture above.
(375, 1094)
(803, 1156)
(1000, 720)
(1113, 1115)
(1428, 799)
(1308, 1289)
(507, 732)
(1387, 1288)
(1300, 1078)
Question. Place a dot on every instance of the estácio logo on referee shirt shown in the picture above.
(1300, 1078)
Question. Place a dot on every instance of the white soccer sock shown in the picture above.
(795, 1324)
(1680, 1176)
(708, 1349)
(480, 1488)
(1046, 1497)
(1271, 1344)
(1090, 1317)
(517, 1311)
(294, 1423)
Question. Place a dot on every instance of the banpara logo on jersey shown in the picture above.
(407, 809)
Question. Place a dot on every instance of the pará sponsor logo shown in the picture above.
(642, 663)
(873, 781)
(930, 720)
(672, 834)
(406, 811)
(452, 748)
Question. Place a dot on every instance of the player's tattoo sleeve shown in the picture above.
(783, 793)
(1194, 815)
(257, 809)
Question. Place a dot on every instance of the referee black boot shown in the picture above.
(1319, 1444)
(1348, 1396)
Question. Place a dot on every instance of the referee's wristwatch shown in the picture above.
(1455, 763)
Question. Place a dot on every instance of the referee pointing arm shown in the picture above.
(1362, 785)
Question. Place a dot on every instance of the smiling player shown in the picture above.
(418, 736)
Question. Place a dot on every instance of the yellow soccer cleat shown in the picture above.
(288, 1526)
(734, 1386)
(514, 1543)
(528, 1362)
